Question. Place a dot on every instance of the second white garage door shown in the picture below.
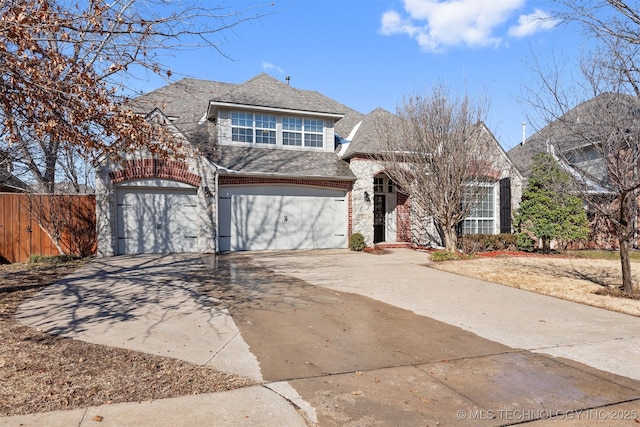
(161, 220)
(281, 217)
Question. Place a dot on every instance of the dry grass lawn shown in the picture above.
(40, 372)
(588, 281)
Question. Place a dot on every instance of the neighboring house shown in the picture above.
(574, 140)
(270, 167)
(9, 183)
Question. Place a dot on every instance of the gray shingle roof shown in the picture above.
(11, 183)
(367, 138)
(586, 120)
(283, 163)
(266, 91)
(187, 102)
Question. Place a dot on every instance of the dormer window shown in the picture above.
(296, 130)
(249, 127)
(276, 130)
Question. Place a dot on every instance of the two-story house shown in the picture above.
(269, 167)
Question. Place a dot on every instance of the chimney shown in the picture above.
(524, 132)
(287, 79)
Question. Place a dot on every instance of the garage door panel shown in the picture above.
(156, 220)
(182, 222)
(255, 223)
(272, 221)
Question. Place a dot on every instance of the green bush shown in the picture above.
(524, 242)
(438, 256)
(356, 242)
(474, 243)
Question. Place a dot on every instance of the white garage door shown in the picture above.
(156, 220)
(257, 218)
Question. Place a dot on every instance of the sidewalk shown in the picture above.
(251, 406)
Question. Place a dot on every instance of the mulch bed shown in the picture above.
(41, 372)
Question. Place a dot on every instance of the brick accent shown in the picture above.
(403, 218)
(245, 180)
(350, 214)
(155, 168)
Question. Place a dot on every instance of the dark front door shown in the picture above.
(379, 202)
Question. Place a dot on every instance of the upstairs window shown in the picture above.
(255, 128)
(265, 129)
(248, 127)
(298, 132)
(292, 131)
(241, 127)
(313, 132)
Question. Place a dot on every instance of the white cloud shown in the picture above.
(532, 23)
(440, 24)
(266, 66)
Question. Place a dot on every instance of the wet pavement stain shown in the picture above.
(360, 362)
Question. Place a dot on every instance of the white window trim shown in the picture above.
(279, 132)
(494, 218)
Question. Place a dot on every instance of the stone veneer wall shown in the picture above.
(362, 211)
(194, 171)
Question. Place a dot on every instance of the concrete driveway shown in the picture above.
(356, 339)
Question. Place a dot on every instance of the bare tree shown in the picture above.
(64, 66)
(435, 150)
(599, 137)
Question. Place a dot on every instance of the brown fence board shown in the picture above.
(23, 218)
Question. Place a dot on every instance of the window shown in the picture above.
(378, 185)
(264, 129)
(247, 127)
(313, 132)
(296, 131)
(241, 127)
(481, 219)
(292, 131)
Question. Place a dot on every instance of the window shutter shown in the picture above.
(505, 205)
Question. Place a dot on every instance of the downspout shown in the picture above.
(217, 216)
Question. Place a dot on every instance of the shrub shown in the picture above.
(438, 256)
(356, 242)
(51, 259)
(474, 243)
(524, 242)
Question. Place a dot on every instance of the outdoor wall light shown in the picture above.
(367, 198)
(207, 192)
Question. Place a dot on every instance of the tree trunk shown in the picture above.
(450, 239)
(625, 261)
(546, 245)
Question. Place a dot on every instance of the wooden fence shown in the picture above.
(31, 224)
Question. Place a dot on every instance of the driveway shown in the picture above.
(349, 332)
(359, 339)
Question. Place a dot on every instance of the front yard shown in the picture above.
(40, 372)
(583, 279)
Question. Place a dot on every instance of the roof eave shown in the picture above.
(215, 105)
(229, 172)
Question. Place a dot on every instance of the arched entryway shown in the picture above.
(384, 209)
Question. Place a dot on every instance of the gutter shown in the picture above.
(287, 176)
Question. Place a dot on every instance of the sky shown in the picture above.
(371, 53)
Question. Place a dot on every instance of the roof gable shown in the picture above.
(367, 138)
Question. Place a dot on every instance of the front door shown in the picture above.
(379, 217)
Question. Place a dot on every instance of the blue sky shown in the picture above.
(370, 53)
